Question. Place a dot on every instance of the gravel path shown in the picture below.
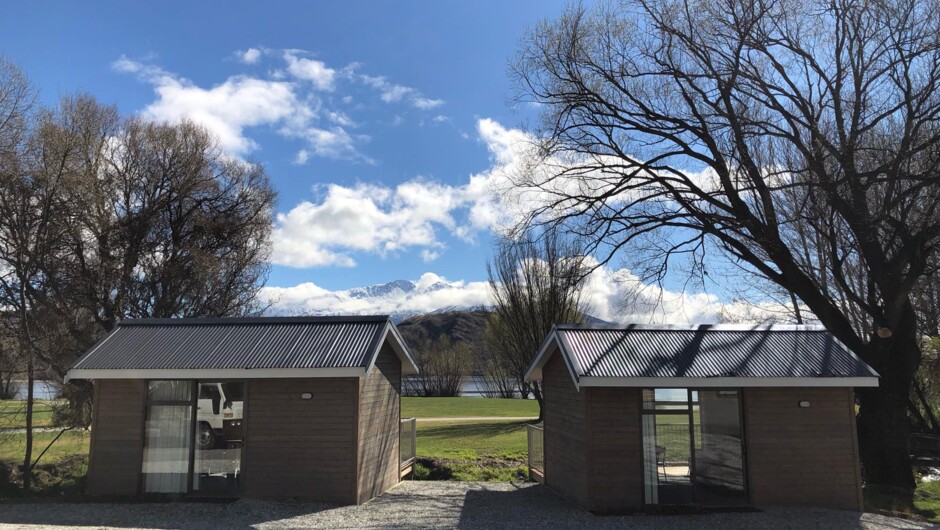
(469, 505)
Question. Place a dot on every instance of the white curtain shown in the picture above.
(166, 448)
(650, 469)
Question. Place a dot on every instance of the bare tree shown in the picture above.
(499, 377)
(442, 366)
(535, 283)
(29, 229)
(672, 127)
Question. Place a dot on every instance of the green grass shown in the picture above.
(60, 472)
(72, 443)
(885, 501)
(12, 414)
(472, 440)
(464, 407)
(474, 451)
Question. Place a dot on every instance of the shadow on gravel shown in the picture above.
(188, 514)
(523, 507)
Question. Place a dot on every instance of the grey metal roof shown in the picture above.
(240, 343)
(706, 351)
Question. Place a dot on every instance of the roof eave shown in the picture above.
(213, 373)
(398, 344)
(728, 382)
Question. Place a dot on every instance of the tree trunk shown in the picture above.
(884, 438)
(537, 392)
(883, 425)
(28, 457)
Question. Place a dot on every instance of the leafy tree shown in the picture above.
(799, 139)
(104, 218)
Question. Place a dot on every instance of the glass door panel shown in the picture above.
(692, 447)
(166, 448)
(667, 441)
(218, 437)
(719, 459)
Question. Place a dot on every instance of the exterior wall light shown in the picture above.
(306, 395)
(804, 404)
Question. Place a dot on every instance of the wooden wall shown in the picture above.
(302, 448)
(802, 456)
(616, 449)
(379, 424)
(116, 452)
(566, 433)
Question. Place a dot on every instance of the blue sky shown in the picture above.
(382, 125)
(450, 51)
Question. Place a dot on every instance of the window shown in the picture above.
(693, 447)
(167, 436)
(193, 427)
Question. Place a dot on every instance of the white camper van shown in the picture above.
(219, 414)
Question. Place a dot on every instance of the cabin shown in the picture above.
(295, 407)
(658, 418)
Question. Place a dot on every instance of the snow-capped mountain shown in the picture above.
(400, 298)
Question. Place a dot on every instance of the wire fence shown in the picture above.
(536, 446)
(408, 441)
(13, 414)
(675, 439)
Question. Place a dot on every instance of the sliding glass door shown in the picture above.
(693, 447)
(218, 438)
(193, 437)
(167, 436)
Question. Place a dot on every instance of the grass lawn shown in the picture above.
(479, 450)
(69, 444)
(926, 502)
(472, 440)
(60, 472)
(12, 413)
(463, 407)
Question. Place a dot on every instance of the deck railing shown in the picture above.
(407, 444)
(536, 445)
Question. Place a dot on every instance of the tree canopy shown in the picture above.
(798, 139)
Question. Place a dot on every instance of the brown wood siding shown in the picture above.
(116, 452)
(802, 456)
(379, 424)
(302, 448)
(616, 449)
(566, 435)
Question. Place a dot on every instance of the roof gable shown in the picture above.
(705, 355)
(242, 347)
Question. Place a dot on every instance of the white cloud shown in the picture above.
(317, 72)
(309, 298)
(440, 118)
(249, 56)
(428, 255)
(393, 93)
(427, 103)
(240, 103)
(365, 218)
(611, 295)
(378, 219)
(302, 156)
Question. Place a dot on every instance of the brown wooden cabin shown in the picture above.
(653, 418)
(258, 407)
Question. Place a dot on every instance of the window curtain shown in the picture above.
(166, 448)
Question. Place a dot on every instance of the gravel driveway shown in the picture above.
(470, 505)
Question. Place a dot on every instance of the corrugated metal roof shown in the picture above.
(238, 343)
(648, 351)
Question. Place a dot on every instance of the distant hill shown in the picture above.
(458, 326)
